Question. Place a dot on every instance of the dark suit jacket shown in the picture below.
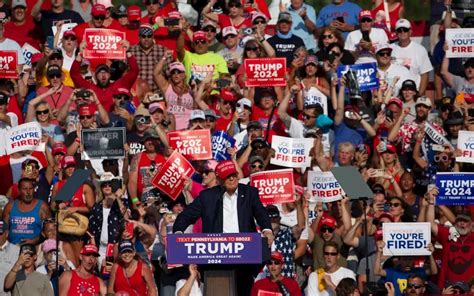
(209, 206)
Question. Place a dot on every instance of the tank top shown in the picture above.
(144, 177)
(133, 285)
(394, 15)
(179, 106)
(78, 200)
(312, 95)
(83, 287)
(24, 225)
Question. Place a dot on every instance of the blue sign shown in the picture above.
(455, 188)
(220, 142)
(366, 75)
(214, 248)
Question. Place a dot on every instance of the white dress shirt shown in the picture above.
(230, 217)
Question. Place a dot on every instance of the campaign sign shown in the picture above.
(104, 142)
(104, 44)
(265, 72)
(455, 188)
(214, 248)
(324, 187)
(28, 51)
(466, 145)
(193, 144)
(8, 64)
(406, 239)
(465, 5)
(291, 152)
(220, 142)
(23, 137)
(460, 42)
(172, 174)
(274, 186)
(366, 75)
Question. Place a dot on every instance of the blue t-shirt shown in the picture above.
(399, 278)
(349, 11)
(343, 133)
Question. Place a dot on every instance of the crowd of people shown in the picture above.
(184, 69)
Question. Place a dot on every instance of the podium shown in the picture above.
(219, 283)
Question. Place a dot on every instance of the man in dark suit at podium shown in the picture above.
(228, 208)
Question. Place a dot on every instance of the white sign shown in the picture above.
(28, 51)
(460, 42)
(406, 239)
(23, 137)
(466, 145)
(64, 28)
(324, 187)
(291, 152)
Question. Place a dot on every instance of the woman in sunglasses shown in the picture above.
(177, 92)
(330, 35)
(253, 48)
(399, 210)
(234, 17)
(39, 111)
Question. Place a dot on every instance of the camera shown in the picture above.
(142, 120)
(389, 114)
(171, 22)
(248, 31)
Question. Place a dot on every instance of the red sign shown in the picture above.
(266, 293)
(104, 44)
(265, 72)
(8, 63)
(170, 179)
(195, 145)
(274, 186)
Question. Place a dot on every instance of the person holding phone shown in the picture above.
(363, 42)
(341, 15)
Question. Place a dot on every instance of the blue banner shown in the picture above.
(220, 142)
(214, 248)
(366, 75)
(455, 188)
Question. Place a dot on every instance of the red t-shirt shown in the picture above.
(457, 259)
(29, 32)
(276, 125)
(267, 285)
(224, 21)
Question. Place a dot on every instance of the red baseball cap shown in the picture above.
(90, 249)
(365, 14)
(224, 169)
(227, 95)
(174, 14)
(122, 91)
(36, 57)
(199, 35)
(329, 221)
(68, 161)
(276, 256)
(98, 10)
(378, 234)
(85, 110)
(59, 147)
(395, 101)
(391, 148)
(70, 33)
(386, 215)
(134, 13)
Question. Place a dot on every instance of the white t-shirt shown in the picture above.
(414, 57)
(67, 61)
(9, 44)
(104, 234)
(377, 36)
(297, 130)
(389, 75)
(3, 129)
(195, 289)
(312, 288)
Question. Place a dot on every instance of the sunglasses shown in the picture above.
(99, 18)
(174, 72)
(395, 204)
(142, 120)
(336, 53)
(150, 2)
(329, 36)
(107, 184)
(39, 112)
(52, 76)
(414, 286)
(255, 48)
(366, 20)
(234, 5)
(227, 103)
(146, 36)
(207, 172)
(48, 221)
(210, 29)
(258, 146)
(402, 30)
(229, 36)
(122, 97)
(85, 117)
(210, 119)
(384, 54)
(70, 38)
(259, 22)
(255, 166)
(327, 229)
(200, 42)
(438, 158)
(330, 254)
(274, 262)
(307, 116)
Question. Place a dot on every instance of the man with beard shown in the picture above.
(415, 286)
(83, 278)
(405, 133)
(21, 27)
(458, 244)
(24, 215)
(104, 89)
(148, 54)
(98, 13)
